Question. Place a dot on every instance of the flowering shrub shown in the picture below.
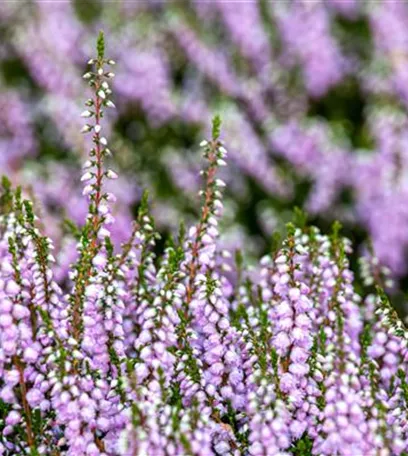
(181, 349)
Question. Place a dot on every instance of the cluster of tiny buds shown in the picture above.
(373, 272)
(215, 153)
(221, 151)
(98, 81)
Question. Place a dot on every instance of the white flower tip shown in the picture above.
(87, 164)
(111, 174)
(86, 128)
(86, 177)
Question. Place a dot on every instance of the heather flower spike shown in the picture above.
(172, 349)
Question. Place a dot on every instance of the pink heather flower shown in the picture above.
(12, 288)
(13, 418)
(30, 355)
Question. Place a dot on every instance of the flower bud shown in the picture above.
(111, 174)
(86, 177)
(86, 128)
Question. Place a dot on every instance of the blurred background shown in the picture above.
(313, 96)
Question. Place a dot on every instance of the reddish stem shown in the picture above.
(192, 267)
(26, 406)
(84, 275)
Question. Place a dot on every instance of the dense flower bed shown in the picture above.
(177, 348)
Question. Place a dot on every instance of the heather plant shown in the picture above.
(176, 348)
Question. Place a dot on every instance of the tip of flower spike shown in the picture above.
(100, 45)
(216, 127)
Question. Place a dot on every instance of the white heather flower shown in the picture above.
(103, 141)
(86, 177)
(281, 259)
(110, 104)
(86, 128)
(99, 261)
(103, 233)
(111, 197)
(87, 113)
(223, 151)
(87, 164)
(87, 190)
(111, 174)
(87, 75)
(203, 143)
(97, 128)
(101, 94)
(103, 209)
